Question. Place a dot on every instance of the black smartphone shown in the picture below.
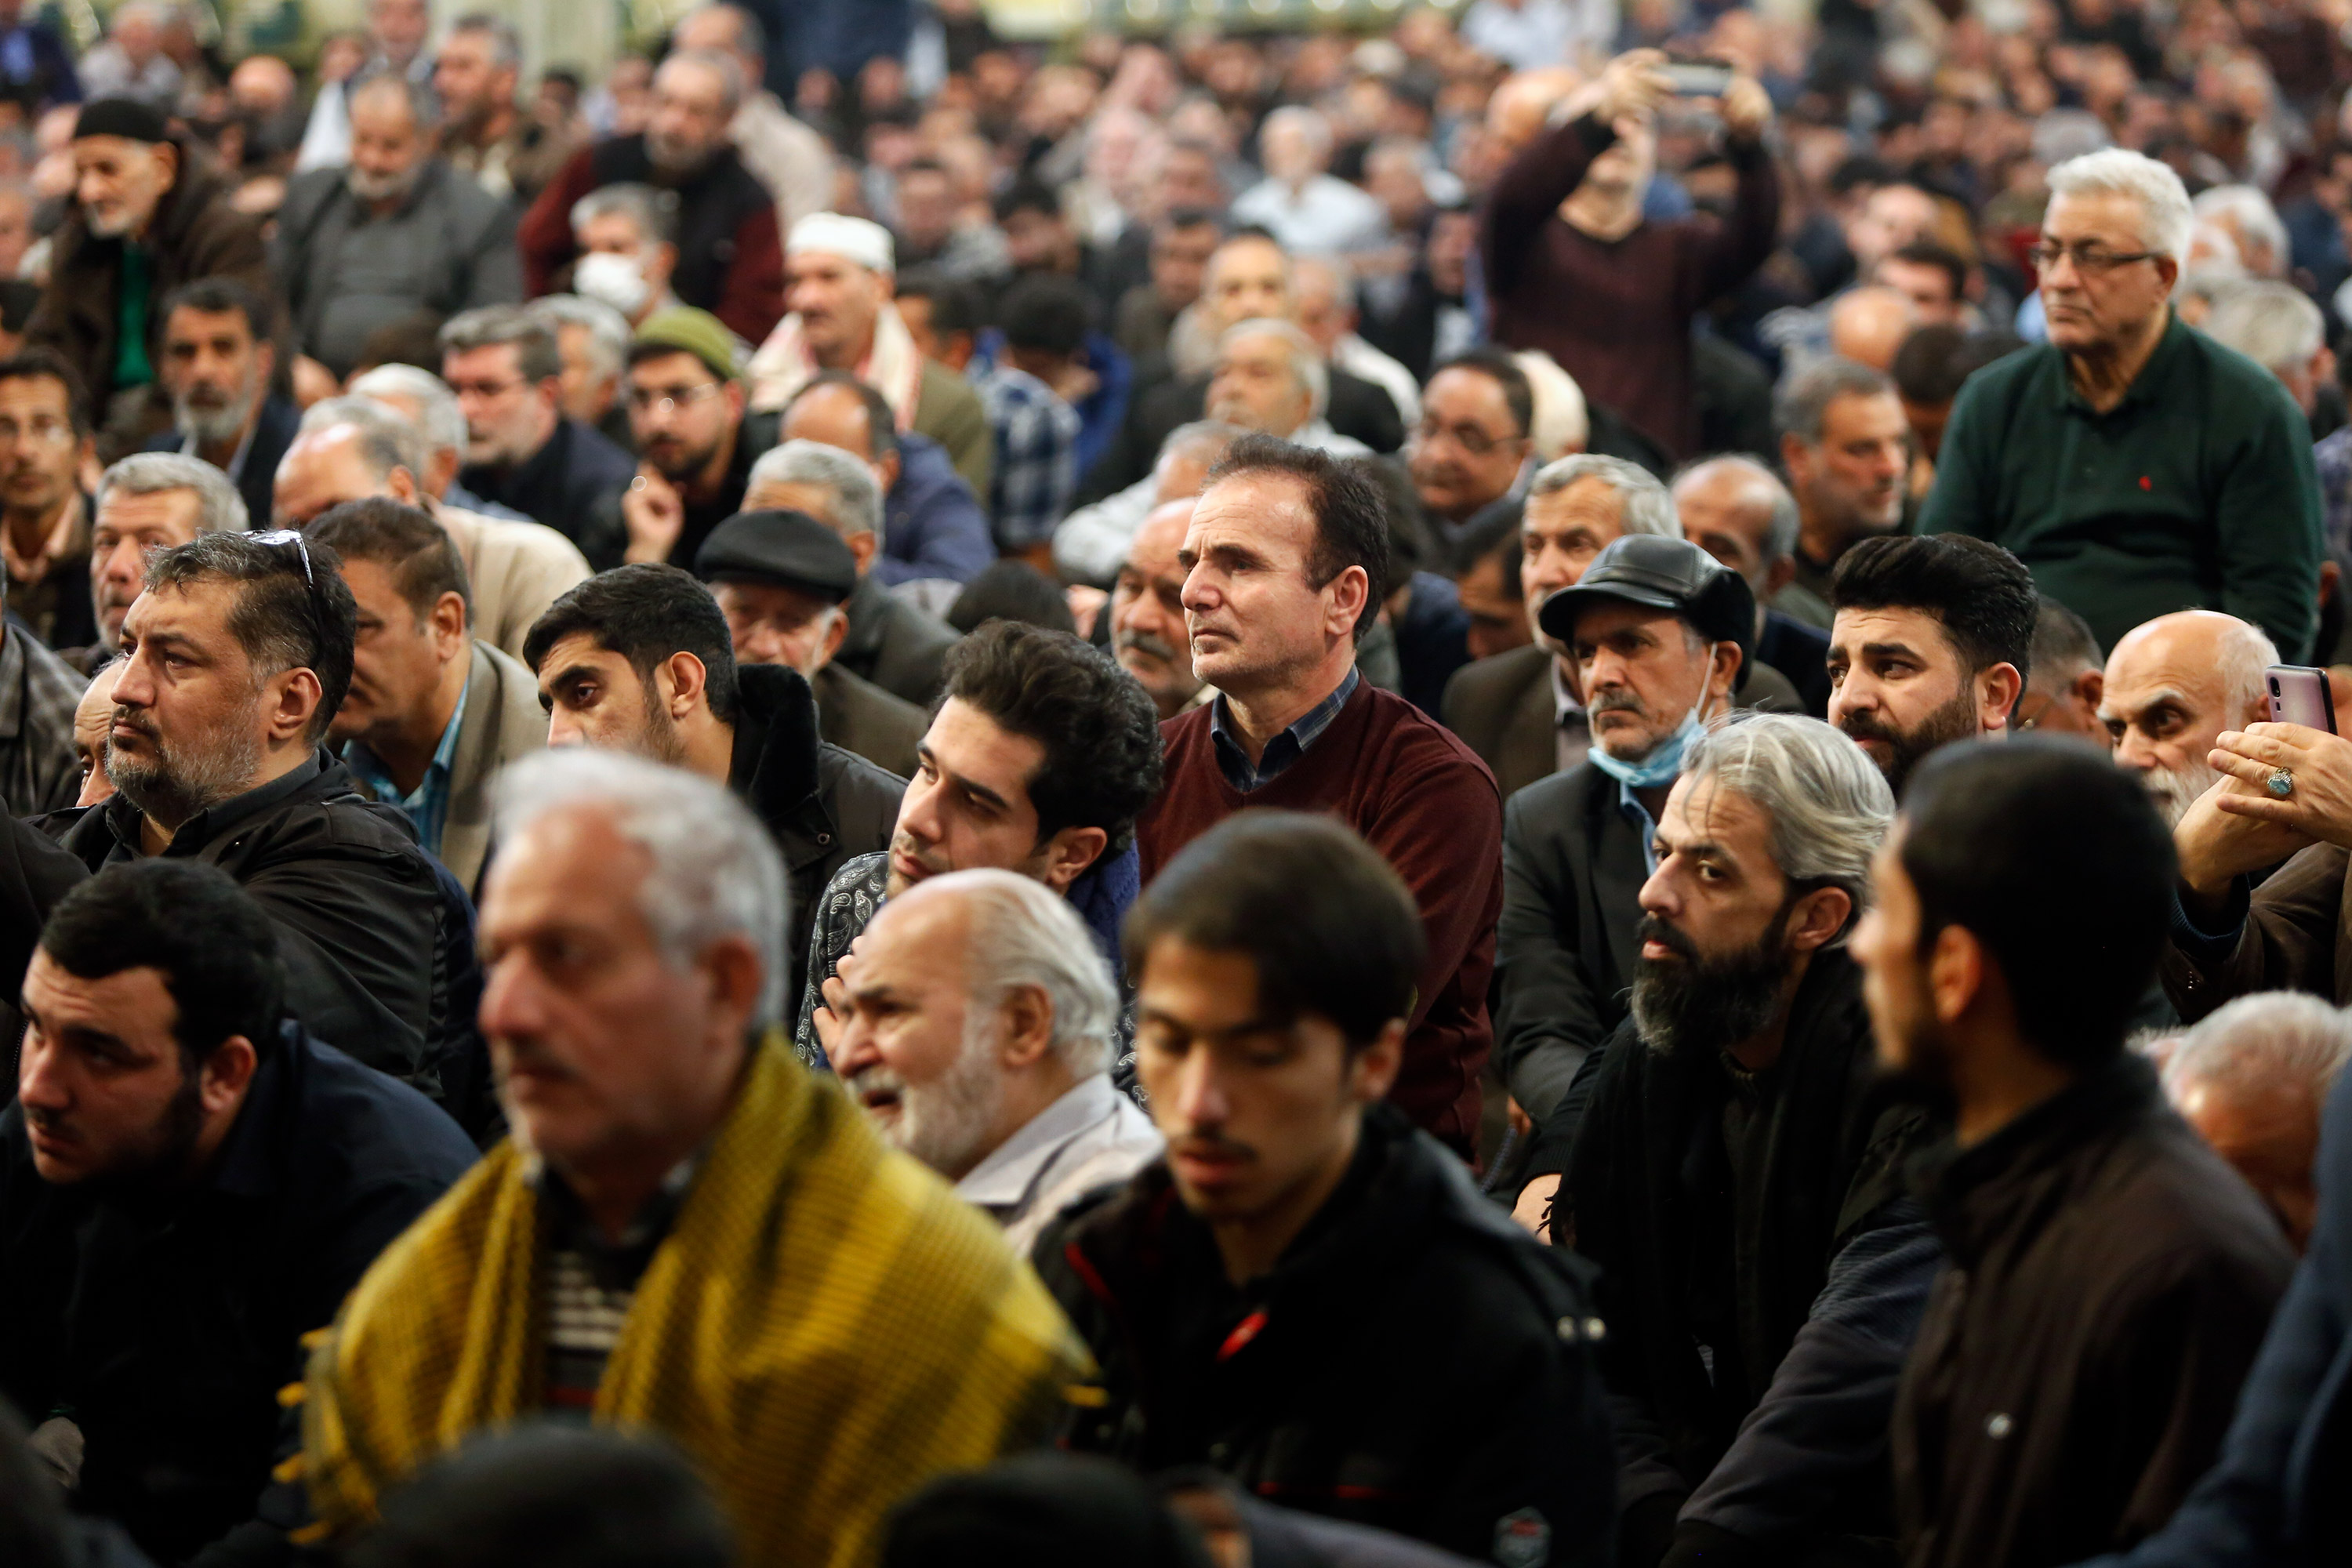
(2299, 695)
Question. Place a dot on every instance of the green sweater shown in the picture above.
(2196, 491)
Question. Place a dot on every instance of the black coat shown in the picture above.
(1655, 1196)
(821, 804)
(373, 964)
(164, 1322)
(1414, 1363)
(2108, 1282)
(34, 875)
(573, 484)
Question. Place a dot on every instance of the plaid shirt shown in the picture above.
(1036, 470)
(1284, 749)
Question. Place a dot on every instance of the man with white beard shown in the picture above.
(976, 1025)
(2173, 685)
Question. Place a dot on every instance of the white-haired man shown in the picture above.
(151, 502)
(1271, 377)
(672, 1246)
(841, 273)
(2276, 326)
(593, 338)
(977, 1033)
(2171, 688)
(2134, 464)
(1300, 201)
(2253, 1078)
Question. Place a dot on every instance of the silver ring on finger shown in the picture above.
(2281, 782)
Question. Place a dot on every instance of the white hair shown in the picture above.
(2243, 659)
(2256, 218)
(608, 329)
(219, 509)
(2165, 216)
(438, 419)
(1644, 505)
(1337, 268)
(1829, 804)
(2260, 1044)
(1306, 364)
(856, 505)
(1023, 934)
(1307, 122)
(2274, 324)
(1562, 424)
(716, 872)
(389, 439)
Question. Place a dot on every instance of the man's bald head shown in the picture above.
(1867, 325)
(328, 466)
(2172, 686)
(1738, 511)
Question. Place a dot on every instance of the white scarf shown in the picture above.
(785, 363)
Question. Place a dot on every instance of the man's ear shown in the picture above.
(1817, 918)
(835, 631)
(1955, 973)
(683, 682)
(168, 154)
(450, 623)
(1028, 1032)
(1068, 853)
(1997, 694)
(264, 360)
(299, 696)
(2090, 687)
(221, 1081)
(1375, 1071)
(402, 485)
(862, 545)
(1779, 574)
(1354, 585)
(1723, 672)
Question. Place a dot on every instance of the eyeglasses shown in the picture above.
(1469, 438)
(2085, 258)
(644, 400)
(279, 537)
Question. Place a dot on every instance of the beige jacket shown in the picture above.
(515, 570)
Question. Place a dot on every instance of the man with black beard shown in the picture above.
(394, 232)
(189, 1183)
(1930, 643)
(1736, 1174)
(217, 361)
(235, 657)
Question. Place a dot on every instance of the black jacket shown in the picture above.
(821, 804)
(257, 482)
(373, 964)
(1573, 872)
(573, 484)
(34, 875)
(1792, 1254)
(1803, 654)
(1414, 1362)
(164, 1322)
(2109, 1281)
(893, 643)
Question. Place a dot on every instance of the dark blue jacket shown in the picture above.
(2277, 1497)
(932, 524)
(164, 1321)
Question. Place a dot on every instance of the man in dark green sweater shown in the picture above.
(2136, 466)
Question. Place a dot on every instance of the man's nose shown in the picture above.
(512, 1001)
(39, 1082)
(1200, 1099)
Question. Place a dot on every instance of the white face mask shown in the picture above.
(616, 281)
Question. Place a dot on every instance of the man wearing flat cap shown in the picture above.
(841, 274)
(1657, 631)
(148, 215)
(782, 578)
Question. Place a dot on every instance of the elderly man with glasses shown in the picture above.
(2134, 465)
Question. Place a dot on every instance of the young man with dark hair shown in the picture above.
(686, 409)
(235, 660)
(1930, 642)
(2107, 1278)
(432, 712)
(640, 660)
(942, 315)
(1306, 1293)
(189, 1182)
(1286, 562)
(1041, 753)
(45, 518)
(217, 364)
(1035, 469)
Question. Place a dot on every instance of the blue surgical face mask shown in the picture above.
(1659, 768)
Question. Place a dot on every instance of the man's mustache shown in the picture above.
(1618, 699)
(1144, 642)
(1650, 928)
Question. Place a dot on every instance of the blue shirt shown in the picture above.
(1638, 814)
(427, 805)
(1284, 749)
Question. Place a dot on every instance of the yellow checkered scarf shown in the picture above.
(825, 1328)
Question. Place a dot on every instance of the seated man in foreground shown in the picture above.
(673, 1257)
(1307, 1293)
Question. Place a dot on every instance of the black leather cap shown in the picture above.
(784, 549)
(1664, 575)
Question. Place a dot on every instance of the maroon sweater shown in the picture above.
(1617, 314)
(1423, 800)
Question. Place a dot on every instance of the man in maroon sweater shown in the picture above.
(1573, 268)
(1285, 562)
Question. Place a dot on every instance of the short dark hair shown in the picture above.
(1498, 366)
(1011, 590)
(190, 921)
(413, 339)
(547, 1491)
(1100, 731)
(955, 304)
(1028, 195)
(1331, 928)
(644, 612)
(2064, 645)
(293, 609)
(405, 540)
(1046, 312)
(881, 420)
(1980, 593)
(218, 297)
(37, 362)
(1176, 218)
(1943, 257)
(1926, 367)
(1994, 829)
(1352, 521)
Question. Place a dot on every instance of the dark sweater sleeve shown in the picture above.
(544, 236)
(1530, 190)
(1730, 252)
(2267, 528)
(753, 300)
(1443, 832)
(1956, 502)
(1822, 1425)
(2286, 941)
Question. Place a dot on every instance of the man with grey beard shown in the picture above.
(217, 364)
(235, 657)
(2173, 685)
(1736, 1177)
(978, 1022)
(393, 232)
